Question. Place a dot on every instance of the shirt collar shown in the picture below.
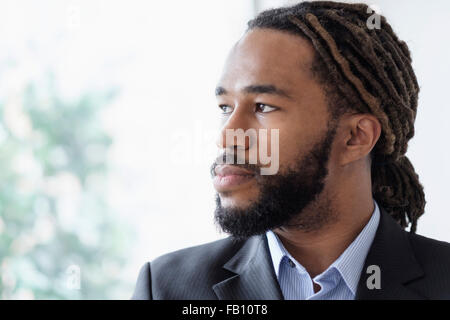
(350, 262)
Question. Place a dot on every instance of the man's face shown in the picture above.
(267, 84)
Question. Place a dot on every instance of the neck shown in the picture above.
(316, 250)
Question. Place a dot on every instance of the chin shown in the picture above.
(236, 199)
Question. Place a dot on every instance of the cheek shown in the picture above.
(279, 148)
(294, 141)
(290, 135)
(289, 150)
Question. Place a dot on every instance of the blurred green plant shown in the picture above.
(54, 219)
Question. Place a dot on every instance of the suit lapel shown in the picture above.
(254, 277)
(392, 253)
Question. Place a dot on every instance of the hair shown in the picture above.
(364, 70)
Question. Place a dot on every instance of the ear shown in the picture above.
(360, 134)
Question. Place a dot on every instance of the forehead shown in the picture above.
(268, 56)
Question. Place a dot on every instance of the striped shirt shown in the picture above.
(338, 282)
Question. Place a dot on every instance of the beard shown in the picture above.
(282, 197)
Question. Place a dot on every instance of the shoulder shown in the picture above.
(434, 258)
(211, 254)
(175, 274)
(430, 252)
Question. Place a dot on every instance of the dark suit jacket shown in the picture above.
(412, 267)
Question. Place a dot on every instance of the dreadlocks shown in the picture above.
(367, 71)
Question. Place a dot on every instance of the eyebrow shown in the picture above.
(260, 88)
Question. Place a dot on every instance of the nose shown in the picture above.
(236, 132)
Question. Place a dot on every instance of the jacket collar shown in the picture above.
(391, 251)
(254, 276)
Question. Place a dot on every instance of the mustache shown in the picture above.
(222, 159)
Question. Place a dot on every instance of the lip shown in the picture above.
(229, 170)
(229, 177)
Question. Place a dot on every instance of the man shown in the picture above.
(329, 224)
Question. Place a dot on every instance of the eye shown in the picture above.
(264, 108)
(226, 109)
